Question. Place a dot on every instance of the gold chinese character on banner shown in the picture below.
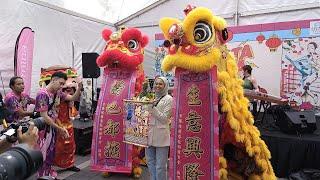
(193, 147)
(112, 150)
(191, 171)
(142, 120)
(117, 87)
(138, 111)
(113, 108)
(112, 128)
(143, 131)
(193, 95)
(193, 121)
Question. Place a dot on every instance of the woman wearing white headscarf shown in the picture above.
(159, 132)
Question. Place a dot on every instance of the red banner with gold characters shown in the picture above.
(194, 145)
(109, 152)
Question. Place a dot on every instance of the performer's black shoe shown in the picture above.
(73, 168)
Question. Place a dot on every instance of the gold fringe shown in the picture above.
(223, 173)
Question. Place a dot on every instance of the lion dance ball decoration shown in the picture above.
(197, 44)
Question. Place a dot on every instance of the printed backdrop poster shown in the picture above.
(300, 71)
(136, 122)
(109, 152)
(194, 133)
(284, 56)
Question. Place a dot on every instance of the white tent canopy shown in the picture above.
(107, 10)
(236, 12)
(66, 28)
(60, 38)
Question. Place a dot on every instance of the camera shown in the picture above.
(19, 162)
(11, 131)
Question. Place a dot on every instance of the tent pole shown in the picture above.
(236, 15)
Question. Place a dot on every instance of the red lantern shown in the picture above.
(273, 43)
(260, 38)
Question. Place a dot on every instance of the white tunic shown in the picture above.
(159, 131)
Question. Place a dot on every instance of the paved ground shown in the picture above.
(85, 173)
(83, 163)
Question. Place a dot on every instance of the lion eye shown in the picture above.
(202, 32)
(133, 44)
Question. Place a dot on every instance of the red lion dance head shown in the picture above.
(124, 48)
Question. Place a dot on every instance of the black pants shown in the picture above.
(254, 110)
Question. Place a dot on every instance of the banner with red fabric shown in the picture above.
(109, 152)
(195, 132)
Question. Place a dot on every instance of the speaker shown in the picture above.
(292, 121)
(83, 132)
(89, 65)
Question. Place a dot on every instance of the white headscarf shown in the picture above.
(164, 91)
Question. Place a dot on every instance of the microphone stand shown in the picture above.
(4, 91)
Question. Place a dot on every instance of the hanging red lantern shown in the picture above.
(273, 43)
(260, 38)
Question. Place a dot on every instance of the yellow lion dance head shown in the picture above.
(195, 43)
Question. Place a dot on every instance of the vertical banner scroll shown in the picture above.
(195, 132)
(109, 152)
